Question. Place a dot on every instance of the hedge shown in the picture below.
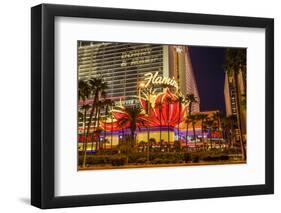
(154, 158)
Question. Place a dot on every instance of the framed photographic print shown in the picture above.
(139, 106)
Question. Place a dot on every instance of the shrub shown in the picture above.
(195, 158)
(208, 158)
(141, 160)
(224, 157)
(166, 160)
(134, 157)
(118, 160)
(157, 161)
(177, 146)
(170, 155)
(99, 159)
(216, 158)
(187, 157)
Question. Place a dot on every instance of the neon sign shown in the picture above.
(136, 53)
(138, 57)
(159, 80)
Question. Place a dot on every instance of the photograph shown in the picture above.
(154, 105)
(158, 105)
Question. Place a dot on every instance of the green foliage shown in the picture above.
(177, 146)
(187, 157)
(155, 158)
(118, 160)
(157, 161)
(93, 160)
(98, 159)
(134, 157)
(216, 158)
(195, 158)
(141, 160)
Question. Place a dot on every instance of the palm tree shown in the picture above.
(210, 124)
(169, 101)
(148, 107)
(159, 107)
(235, 62)
(106, 104)
(187, 121)
(97, 88)
(83, 95)
(105, 117)
(217, 116)
(131, 120)
(227, 128)
(190, 98)
(96, 120)
(148, 93)
(102, 104)
(111, 130)
(232, 119)
(202, 117)
(193, 119)
(83, 116)
(180, 102)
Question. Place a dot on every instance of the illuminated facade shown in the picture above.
(124, 66)
(231, 96)
(121, 65)
(180, 66)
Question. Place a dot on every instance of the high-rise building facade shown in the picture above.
(180, 67)
(234, 98)
(124, 65)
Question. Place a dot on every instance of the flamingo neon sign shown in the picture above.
(160, 80)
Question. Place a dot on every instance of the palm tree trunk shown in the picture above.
(179, 122)
(104, 133)
(194, 135)
(168, 125)
(97, 128)
(111, 133)
(186, 133)
(88, 128)
(160, 126)
(84, 131)
(104, 136)
(187, 123)
(211, 138)
(202, 133)
(148, 145)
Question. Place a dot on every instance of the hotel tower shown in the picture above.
(123, 65)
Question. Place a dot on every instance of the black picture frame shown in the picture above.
(43, 102)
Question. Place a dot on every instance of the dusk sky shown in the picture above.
(207, 65)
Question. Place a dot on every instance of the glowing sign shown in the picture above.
(159, 80)
(136, 53)
(138, 57)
